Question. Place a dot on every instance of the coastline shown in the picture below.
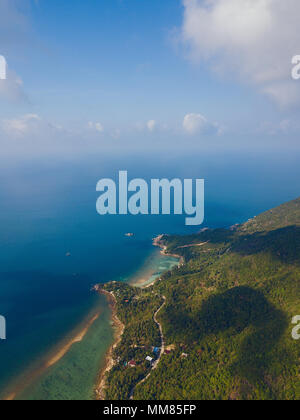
(36, 371)
(157, 241)
(118, 326)
(54, 357)
(118, 333)
(147, 276)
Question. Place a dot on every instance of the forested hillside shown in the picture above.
(228, 312)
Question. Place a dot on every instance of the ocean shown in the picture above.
(54, 247)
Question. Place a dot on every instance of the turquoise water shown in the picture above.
(153, 267)
(74, 376)
(54, 247)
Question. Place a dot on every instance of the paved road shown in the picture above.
(163, 344)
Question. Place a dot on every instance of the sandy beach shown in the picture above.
(79, 337)
(52, 359)
(142, 278)
(34, 372)
(117, 324)
(158, 242)
(147, 275)
(118, 332)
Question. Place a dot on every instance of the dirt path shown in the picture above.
(191, 245)
(163, 344)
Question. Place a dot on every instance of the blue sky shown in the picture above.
(141, 72)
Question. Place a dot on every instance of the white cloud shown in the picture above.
(151, 125)
(193, 123)
(18, 127)
(284, 127)
(197, 123)
(96, 126)
(255, 39)
(284, 93)
(29, 126)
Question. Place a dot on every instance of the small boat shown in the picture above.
(129, 235)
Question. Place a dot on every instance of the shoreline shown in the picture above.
(40, 367)
(149, 274)
(118, 326)
(54, 357)
(158, 243)
(109, 362)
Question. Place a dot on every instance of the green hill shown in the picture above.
(227, 317)
(287, 214)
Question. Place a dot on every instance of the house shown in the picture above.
(149, 359)
(184, 355)
(132, 363)
(156, 350)
(170, 348)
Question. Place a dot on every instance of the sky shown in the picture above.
(123, 75)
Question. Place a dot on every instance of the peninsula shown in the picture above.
(219, 326)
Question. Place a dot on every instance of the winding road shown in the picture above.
(163, 344)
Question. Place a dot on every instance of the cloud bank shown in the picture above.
(254, 39)
(151, 125)
(193, 123)
(96, 126)
(197, 123)
(18, 127)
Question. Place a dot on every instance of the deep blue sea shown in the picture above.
(54, 246)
